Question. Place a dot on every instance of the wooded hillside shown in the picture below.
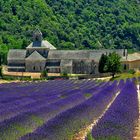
(68, 24)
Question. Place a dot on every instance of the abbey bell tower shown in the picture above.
(37, 38)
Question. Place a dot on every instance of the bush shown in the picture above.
(64, 74)
(10, 78)
(131, 71)
(44, 73)
(1, 75)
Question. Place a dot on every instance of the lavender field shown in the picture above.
(70, 110)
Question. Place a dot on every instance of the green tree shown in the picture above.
(113, 63)
(44, 73)
(0, 59)
(102, 63)
(67, 24)
(1, 72)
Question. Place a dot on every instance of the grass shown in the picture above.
(87, 95)
(39, 121)
(63, 96)
(109, 138)
(125, 76)
(89, 136)
(16, 130)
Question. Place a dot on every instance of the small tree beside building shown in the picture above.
(113, 63)
(110, 63)
(44, 74)
(1, 72)
(102, 63)
(0, 68)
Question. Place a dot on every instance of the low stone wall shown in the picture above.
(34, 75)
(19, 74)
(99, 75)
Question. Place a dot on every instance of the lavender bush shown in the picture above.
(64, 125)
(37, 103)
(119, 121)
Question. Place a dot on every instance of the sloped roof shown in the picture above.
(80, 54)
(67, 54)
(35, 56)
(133, 57)
(16, 54)
(37, 31)
(43, 44)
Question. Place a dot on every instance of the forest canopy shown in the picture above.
(69, 24)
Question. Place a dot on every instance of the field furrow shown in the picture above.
(84, 132)
(67, 123)
(69, 110)
(120, 119)
(137, 129)
(25, 121)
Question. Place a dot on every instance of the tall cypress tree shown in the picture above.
(0, 59)
(0, 66)
(102, 63)
(1, 72)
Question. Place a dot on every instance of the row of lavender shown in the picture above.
(67, 123)
(25, 107)
(55, 110)
(120, 120)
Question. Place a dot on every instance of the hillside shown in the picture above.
(84, 24)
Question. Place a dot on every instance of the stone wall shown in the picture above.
(35, 66)
(85, 67)
(132, 65)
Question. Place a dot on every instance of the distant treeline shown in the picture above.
(69, 24)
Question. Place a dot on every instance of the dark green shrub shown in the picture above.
(64, 74)
(1, 75)
(131, 71)
(44, 74)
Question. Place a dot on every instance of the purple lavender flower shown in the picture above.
(119, 121)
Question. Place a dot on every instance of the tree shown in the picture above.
(0, 59)
(1, 72)
(113, 63)
(102, 63)
(0, 68)
(70, 25)
(44, 73)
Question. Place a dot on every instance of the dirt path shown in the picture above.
(83, 133)
(137, 130)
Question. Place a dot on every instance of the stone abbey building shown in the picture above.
(40, 55)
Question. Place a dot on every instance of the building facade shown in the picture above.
(40, 55)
